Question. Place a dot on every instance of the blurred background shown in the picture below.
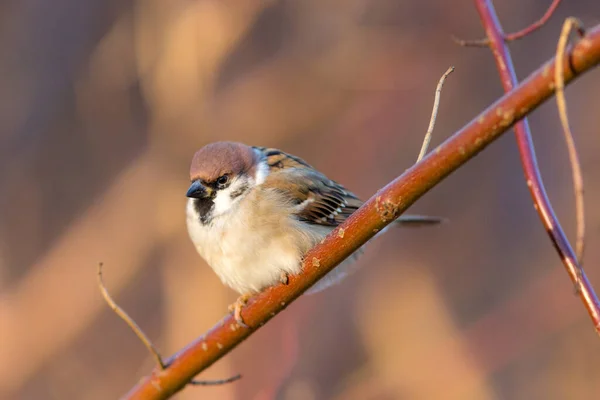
(103, 104)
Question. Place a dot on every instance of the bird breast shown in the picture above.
(250, 246)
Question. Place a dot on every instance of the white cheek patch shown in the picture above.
(262, 171)
(223, 200)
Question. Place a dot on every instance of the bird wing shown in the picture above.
(316, 198)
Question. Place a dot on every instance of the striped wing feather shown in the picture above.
(318, 199)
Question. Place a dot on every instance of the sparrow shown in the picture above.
(253, 212)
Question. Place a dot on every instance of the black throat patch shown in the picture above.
(204, 208)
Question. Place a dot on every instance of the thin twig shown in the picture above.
(536, 25)
(128, 320)
(216, 381)
(515, 35)
(471, 42)
(144, 338)
(570, 24)
(436, 106)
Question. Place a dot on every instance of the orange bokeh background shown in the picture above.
(103, 105)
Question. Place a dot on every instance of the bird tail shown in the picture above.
(419, 220)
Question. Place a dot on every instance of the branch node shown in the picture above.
(386, 209)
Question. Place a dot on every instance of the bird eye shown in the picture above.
(222, 180)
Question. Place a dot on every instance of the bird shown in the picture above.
(253, 212)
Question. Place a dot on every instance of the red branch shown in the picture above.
(515, 35)
(381, 209)
(535, 26)
(532, 173)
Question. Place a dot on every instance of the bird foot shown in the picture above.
(236, 309)
(284, 278)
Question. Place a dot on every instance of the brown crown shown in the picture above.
(220, 158)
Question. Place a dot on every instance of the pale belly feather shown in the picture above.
(250, 256)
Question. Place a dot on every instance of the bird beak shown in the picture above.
(198, 191)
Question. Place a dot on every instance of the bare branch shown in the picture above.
(570, 24)
(533, 177)
(536, 25)
(436, 106)
(515, 35)
(379, 211)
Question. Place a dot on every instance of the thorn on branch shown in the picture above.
(569, 25)
(515, 35)
(143, 337)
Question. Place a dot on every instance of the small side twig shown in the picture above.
(434, 112)
(144, 338)
(536, 25)
(515, 35)
(216, 381)
(128, 320)
(570, 24)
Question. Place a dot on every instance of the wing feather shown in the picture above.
(318, 199)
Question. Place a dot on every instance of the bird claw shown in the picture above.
(236, 309)
(284, 278)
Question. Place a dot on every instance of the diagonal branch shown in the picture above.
(532, 173)
(386, 205)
